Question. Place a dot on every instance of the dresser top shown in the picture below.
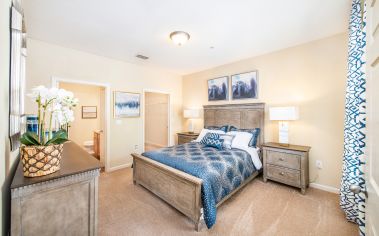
(74, 160)
(188, 134)
(289, 147)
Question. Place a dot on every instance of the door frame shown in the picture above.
(168, 114)
(55, 83)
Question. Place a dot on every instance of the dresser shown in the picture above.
(62, 203)
(286, 164)
(186, 137)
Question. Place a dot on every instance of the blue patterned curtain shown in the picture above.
(355, 119)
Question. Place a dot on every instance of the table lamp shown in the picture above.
(283, 115)
(191, 114)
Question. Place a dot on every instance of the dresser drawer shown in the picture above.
(283, 159)
(284, 175)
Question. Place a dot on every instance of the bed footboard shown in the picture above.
(179, 189)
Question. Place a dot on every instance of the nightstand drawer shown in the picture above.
(283, 159)
(185, 139)
(284, 175)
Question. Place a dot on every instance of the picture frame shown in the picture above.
(126, 104)
(244, 85)
(218, 89)
(89, 112)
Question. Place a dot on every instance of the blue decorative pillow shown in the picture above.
(212, 140)
(255, 132)
(222, 128)
(232, 128)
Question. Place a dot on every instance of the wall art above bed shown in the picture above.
(218, 89)
(245, 85)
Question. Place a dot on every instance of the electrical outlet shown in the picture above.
(136, 147)
(319, 164)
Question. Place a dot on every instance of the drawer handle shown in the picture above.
(281, 159)
(281, 173)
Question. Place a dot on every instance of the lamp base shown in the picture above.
(191, 127)
(283, 133)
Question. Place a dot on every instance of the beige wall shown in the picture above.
(156, 118)
(311, 76)
(81, 130)
(46, 60)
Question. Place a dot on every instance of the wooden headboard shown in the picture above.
(243, 116)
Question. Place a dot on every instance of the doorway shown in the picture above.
(89, 129)
(156, 120)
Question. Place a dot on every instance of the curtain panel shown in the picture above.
(355, 119)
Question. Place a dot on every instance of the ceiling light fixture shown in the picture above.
(179, 37)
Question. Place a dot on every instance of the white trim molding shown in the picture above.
(325, 188)
(107, 116)
(119, 167)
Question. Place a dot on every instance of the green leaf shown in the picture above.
(30, 139)
(59, 141)
(58, 138)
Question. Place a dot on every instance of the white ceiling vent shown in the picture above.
(142, 57)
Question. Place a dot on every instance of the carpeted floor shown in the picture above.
(258, 209)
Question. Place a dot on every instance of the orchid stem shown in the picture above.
(50, 126)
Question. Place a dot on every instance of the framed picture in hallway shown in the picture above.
(89, 112)
(218, 89)
(126, 104)
(245, 85)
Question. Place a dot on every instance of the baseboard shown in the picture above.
(119, 167)
(325, 188)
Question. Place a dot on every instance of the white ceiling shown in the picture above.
(237, 29)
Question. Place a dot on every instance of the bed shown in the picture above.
(184, 191)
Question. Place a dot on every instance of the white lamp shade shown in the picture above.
(191, 113)
(284, 113)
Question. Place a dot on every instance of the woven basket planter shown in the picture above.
(41, 160)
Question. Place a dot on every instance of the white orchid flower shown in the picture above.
(39, 92)
(55, 103)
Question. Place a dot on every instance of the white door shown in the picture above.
(372, 168)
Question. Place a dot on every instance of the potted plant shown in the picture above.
(41, 152)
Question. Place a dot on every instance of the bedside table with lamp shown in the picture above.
(186, 137)
(283, 162)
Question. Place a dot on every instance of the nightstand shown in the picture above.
(286, 164)
(186, 137)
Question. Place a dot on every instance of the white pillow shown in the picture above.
(241, 139)
(205, 131)
(228, 139)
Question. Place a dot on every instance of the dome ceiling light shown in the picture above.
(179, 37)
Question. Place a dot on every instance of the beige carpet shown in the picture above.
(258, 209)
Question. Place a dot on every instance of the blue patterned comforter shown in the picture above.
(222, 171)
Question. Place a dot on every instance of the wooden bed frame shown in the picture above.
(181, 190)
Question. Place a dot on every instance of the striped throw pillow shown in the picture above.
(228, 139)
(212, 140)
